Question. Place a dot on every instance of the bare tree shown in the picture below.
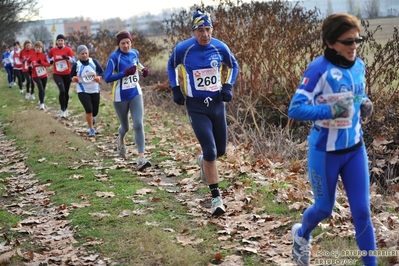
(40, 34)
(372, 8)
(13, 13)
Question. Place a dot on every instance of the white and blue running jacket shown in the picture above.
(320, 84)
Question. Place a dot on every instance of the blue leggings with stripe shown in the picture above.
(208, 120)
(324, 169)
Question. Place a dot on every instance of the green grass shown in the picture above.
(148, 236)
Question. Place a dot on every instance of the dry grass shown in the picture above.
(52, 137)
(387, 27)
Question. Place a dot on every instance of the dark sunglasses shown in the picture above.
(351, 41)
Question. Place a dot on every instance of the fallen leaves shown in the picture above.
(245, 228)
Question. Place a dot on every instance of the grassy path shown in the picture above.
(70, 200)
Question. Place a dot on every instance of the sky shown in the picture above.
(100, 10)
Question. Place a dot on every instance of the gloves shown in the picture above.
(366, 108)
(227, 96)
(51, 62)
(97, 79)
(145, 72)
(65, 57)
(342, 108)
(39, 62)
(130, 71)
(178, 95)
(29, 68)
(75, 79)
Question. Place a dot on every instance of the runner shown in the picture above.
(39, 72)
(17, 69)
(62, 56)
(7, 64)
(205, 94)
(127, 96)
(24, 56)
(87, 73)
(332, 96)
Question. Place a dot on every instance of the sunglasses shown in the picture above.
(351, 41)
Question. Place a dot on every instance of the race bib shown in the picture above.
(61, 65)
(206, 79)
(40, 71)
(88, 77)
(7, 61)
(17, 61)
(337, 123)
(130, 82)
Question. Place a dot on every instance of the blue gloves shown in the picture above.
(178, 95)
(227, 96)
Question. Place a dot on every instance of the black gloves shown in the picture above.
(227, 96)
(178, 95)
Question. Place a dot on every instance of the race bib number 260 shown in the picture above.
(206, 79)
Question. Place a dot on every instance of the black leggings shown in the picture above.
(90, 102)
(29, 82)
(19, 76)
(63, 83)
(41, 85)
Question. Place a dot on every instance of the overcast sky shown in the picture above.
(100, 10)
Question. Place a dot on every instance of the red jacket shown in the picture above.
(24, 56)
(61, 66)
(39, 70)
(17, 62)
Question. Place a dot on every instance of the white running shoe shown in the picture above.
(27, 96)
(143, 163)
(21, 91)
(121, 148)
(41, 106)
(300, 246)
(32, 96)
(217, 206)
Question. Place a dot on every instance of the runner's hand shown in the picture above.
(366, 108)
(130, 71)
(145, 72)
(342, 108)
(178, 95)
(227, 95)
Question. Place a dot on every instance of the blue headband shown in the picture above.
(201, 18)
